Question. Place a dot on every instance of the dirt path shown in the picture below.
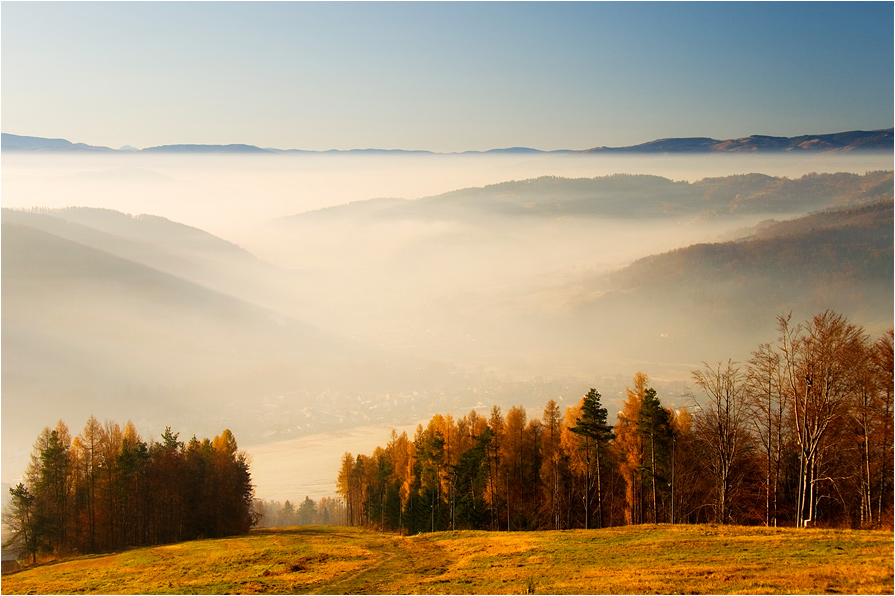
(402, 565)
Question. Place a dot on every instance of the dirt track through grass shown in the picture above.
(630, 560)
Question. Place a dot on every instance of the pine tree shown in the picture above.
(654, 428)
(19, 518)
(592, 426)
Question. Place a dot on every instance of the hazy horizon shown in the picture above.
(180, 186)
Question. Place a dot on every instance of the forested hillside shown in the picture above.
(849, 245)
(626, 196)
(700, 295)
(799, 435)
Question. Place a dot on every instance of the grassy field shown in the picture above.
(628, 560)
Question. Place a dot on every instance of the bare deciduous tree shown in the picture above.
(721, 426)
(820, 359)
(768, 405)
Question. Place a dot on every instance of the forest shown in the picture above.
(107, 489)
(326, 511)
(799, 435)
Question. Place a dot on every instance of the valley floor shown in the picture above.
(655, 559)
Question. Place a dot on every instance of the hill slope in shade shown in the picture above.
(626, 560)
(86, 331)
(156, 242)
(682, 303)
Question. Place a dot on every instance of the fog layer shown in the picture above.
(223, 194)
(283, 296)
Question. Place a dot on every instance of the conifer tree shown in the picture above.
(550, 470)
(19, 517)
(592, 426)
(656, 433)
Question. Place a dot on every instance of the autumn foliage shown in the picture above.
(799, 435)
(107, 489)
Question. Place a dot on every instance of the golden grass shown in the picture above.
(631, 560)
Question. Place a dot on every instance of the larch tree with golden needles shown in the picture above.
(107, 489)
(512, 457)
(552, 454)
(628, 448)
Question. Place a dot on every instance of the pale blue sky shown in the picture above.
(441, 76)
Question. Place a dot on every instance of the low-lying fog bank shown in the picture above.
(224, 194)
(292, 305)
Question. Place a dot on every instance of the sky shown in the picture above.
(442, 77)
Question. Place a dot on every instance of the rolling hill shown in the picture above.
(88, 330)
(688, 304)
(661, 559)
(156, 242)
(548, 270)
(623, 196)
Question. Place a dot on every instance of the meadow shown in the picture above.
(647, 559)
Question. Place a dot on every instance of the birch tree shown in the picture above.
(820, 358)
(768, 404)
(721, 426)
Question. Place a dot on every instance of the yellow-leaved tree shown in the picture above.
(629, 449)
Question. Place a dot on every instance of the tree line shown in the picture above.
(107, 489)
(328, 511)
(799, 435)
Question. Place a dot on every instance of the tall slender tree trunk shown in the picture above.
(767, 494)
(556, 513)
(508, 500)
(673, 444)
(653, 475)
(587, 483)
(803, 483)
(599, 487)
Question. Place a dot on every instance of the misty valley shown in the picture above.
(287, 318)
(447, 297)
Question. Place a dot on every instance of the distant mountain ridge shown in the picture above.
(856, 140)
(620, 196)
(20, 143)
